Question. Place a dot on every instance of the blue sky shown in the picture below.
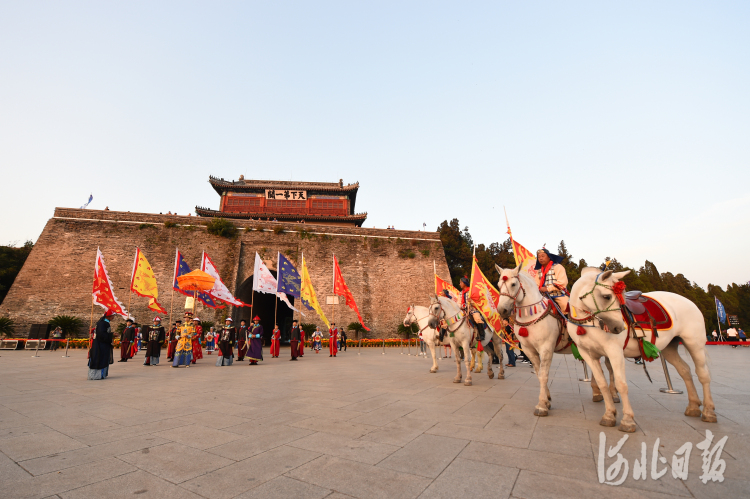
(621, 127)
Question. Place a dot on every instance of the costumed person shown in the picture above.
(101, 347)
(552, 279)
(475, 319)
(173, 340)
(333, 334)
(275, 342)
(210, 337)
(342, 340)
(255, 342)
(139, 337)
(197, 348)
(294, 339)
(154, 335)
(183, 354)
(301, 342)
(227, 337)
(126, 340)
(242, 341)
(317, 339)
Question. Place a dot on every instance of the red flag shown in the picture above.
(102, 291)
(441, 286)
(340, 288)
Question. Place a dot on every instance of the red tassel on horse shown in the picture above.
(580, 330)
(523, 332)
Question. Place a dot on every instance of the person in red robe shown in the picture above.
(126, 339)
(275, 342)
(294, 339)
(333, 334)
(173, 340)
(301, 342)
(197, 348)
(241, 340)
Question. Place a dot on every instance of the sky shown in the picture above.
(620, 127)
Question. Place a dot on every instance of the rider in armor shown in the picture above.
(470, 311)
(552, 279)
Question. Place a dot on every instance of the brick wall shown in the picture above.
(386, 270)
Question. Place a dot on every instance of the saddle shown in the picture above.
(647, 313)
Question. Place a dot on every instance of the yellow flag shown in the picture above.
(143, 282)
(307, 293)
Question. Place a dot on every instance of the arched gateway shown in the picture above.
(265, 306)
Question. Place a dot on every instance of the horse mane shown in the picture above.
(448, 302)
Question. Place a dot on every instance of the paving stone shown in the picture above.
(337, 445)
(175, 462)
(464, 478)
(358, 479)
(286, 487)
(137, 484)
(426, 455)
(37, 445)
(200, 436)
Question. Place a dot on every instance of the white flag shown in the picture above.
(285, 299)
(219, 291)
(263, 279)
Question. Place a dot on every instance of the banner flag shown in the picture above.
(289, 279)
(220, 290)
(340, 288)
(181, 268)
(307, 293)
(523, 257)
(91, 198)
(484, 298)
(143, 282)
(283, 297)
(720, 311)
(441, 286)
(102, 291)
(263, 279)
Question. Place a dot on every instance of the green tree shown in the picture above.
(222, 227)
(70, 325)
(11, 262)
(7, 326)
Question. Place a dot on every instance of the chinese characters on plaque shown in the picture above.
(285, 194)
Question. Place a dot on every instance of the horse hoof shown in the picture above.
(500, 376)
(491, 374)
(433, 370)
(456, 380)
(598, 398)
(607, 422)
(467, 382)
(708, 418)
(693, 413)
(626, 427)
(540, 412)
(616, 399)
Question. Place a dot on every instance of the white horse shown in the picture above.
(541, 333)
(595, 300)
(421, 315)
(460, 334)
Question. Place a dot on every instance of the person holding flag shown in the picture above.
(154, 338)
(173, 333)
(333, 334)
(294, 339)
(552, 279)
(100, 354)
(255, 341)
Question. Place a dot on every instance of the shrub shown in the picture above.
(303, 234)
(425, 252)
(70, 325)
(207, 325)
(279, 229)
(146, 226)
(6, 326)
(407, 331)
(222, 227)
(169, 224)
(307, 328)
(406, 253)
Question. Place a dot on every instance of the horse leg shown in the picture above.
(497, 346)
(610, 411)
(597, 393)
(542, 407)
(457, 357)
(672, 356)
(616, 360)
(696, 346)
(473, 357)
(432, 346)
(479, 364)
(612, 384)
(466, 360)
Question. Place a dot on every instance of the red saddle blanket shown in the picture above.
(654, 314)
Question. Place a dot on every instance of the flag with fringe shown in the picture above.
(484, 298)
(307, 293)
(442, 286)
(340, 288)
(102, 292)
(143, 282)
(220, 290)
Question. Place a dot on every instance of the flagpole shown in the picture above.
(171, 303)
(333, 288)
(510, 234)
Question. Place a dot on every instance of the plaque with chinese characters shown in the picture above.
(285, 194)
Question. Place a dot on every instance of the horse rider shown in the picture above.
(473, 315)
(552, 279)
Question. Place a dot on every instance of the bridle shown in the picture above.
(615, 306)
(413, 318)
(507, 286)
(441, 316)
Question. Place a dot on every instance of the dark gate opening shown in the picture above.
(264, 306)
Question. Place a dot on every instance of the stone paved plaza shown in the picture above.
(362, 426)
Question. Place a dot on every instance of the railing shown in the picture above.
(261, 210)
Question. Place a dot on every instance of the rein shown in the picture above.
(415, 319)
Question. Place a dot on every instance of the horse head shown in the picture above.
(596, 295)
(410, 317)
(511, 290)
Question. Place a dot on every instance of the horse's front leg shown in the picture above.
(433, 347)
(497, 345)
(541, 409)
(473, 359)
(467, 346)
(457, 357)
(612, 383)
(616, 360)
(610, 411)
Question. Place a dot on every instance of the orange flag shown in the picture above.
(441, 286)
(484, 297)
(340, 288)
(102, 290)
